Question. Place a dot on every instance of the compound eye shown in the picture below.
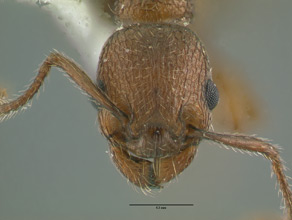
(212, 94)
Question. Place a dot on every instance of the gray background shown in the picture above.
(53, 161)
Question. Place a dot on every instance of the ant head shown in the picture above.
(153, 11)
(164, 89)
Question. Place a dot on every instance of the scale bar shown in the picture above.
(169, 204)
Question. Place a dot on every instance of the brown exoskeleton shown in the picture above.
(155, 92)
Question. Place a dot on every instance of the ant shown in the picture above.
(155, 94)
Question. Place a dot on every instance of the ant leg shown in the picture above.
(56, 59)
(257, 145)
(239, 107)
